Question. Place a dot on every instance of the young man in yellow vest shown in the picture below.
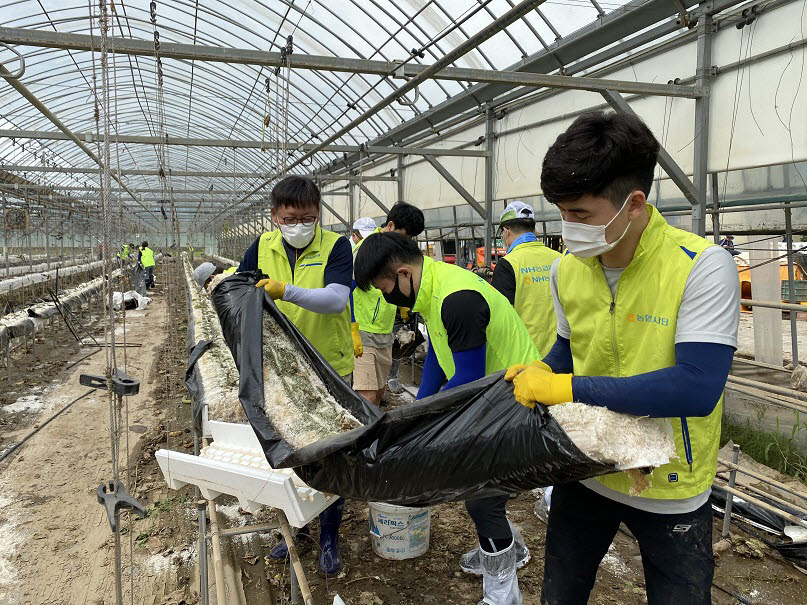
(309, 271)
(374, 318)
(523, 274)
(647, 325)
(473, 331)
(372, 329)
(146, 258)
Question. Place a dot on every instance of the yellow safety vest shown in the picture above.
(371, 311)
(633, 332)
(531, 262)
(147, 257)
(124, 251)
(329, 333)
(507, 339)
(230, 271)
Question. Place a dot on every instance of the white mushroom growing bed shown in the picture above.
(218, 376)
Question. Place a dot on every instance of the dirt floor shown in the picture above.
(56, 545)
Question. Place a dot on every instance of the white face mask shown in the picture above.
(299, 235)
(586, 241)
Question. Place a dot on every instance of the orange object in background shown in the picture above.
(494, 254)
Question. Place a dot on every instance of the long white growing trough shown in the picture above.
(234, 464)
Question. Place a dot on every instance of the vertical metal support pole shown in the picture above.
(791, 284)
(735, 456)
(201, 508)
(5, 236)
(703, 80)
(716, 208)
(488, 184)
(457, 259)
(400, 176)
(61, 242)
(351, 200)
(8, 363)
(47, 238)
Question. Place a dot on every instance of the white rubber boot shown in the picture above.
(471, 562)
(499, 580)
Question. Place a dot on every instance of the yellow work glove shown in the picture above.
(358, 347)
(404, 313)
(273, 287)
(536, 383)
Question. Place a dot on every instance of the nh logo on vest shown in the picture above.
(647, 319)
(535, 279)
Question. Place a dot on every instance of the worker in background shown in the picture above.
(124, 252)
(728, 243)
(204, 274)
(310, 271)
(371, 329)
(408, 220)
(146, 259)
(373, 316)
(473, 332)
(523, 274)
(647, 319)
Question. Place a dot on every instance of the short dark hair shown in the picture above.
(519, 225)
(296, 191)
(145, 244)
(407, 217)
(378, 254)
(603, 154)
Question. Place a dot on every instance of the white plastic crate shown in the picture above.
(234, 464)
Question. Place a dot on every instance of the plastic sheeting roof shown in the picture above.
(229, 101)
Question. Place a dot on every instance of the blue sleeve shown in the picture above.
(432, 377)
(469, 365)
(692, 387)
(250, 260)
(339, 268)
(559, 357)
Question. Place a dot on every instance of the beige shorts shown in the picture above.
(372, 368)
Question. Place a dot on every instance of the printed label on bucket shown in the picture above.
(400, 535)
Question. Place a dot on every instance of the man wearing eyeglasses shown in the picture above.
(310, 271)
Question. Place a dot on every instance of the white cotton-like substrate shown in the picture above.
(612, 438)
(296, 402)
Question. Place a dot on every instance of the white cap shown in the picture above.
(365, 225)
(516, 210)
(203, 272)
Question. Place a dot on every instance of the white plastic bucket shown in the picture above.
(399, 532)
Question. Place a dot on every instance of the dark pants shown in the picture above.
(676, 549)
(149, 277)
(490, 517)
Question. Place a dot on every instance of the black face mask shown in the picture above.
(398, 298)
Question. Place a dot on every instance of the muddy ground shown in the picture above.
(56, 546)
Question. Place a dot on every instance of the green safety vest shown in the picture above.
(633, 332)
(507, 339)
(125, 251)
(531, 262)
(230, 271)
(372, 312)
(329, 333)
(147, 257)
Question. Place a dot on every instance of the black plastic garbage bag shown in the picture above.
(471, 441)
